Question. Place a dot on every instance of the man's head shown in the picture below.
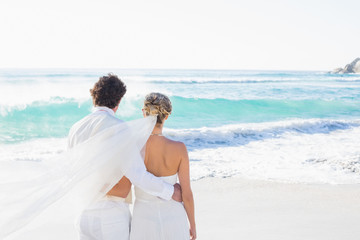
(108, 91)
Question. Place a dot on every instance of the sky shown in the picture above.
(187, 34)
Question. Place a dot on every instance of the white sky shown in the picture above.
(206, 34)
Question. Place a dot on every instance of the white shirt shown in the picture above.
(102, 118)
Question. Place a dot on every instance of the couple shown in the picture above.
(158, 211)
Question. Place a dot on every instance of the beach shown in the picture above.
(235, 208)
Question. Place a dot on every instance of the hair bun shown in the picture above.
(157, 104)
(154, 110)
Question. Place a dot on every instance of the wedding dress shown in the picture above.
(157, 219)
(72, 181)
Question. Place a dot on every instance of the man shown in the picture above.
(110, 218)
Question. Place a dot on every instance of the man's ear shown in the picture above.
(115, 108)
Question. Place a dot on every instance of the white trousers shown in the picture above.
(108, 219)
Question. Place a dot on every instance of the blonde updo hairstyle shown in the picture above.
(157, 104)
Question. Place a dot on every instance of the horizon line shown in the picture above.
(181, 69)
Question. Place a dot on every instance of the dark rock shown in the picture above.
(353, 67)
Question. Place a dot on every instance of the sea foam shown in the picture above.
(305, 151)
(327, 157)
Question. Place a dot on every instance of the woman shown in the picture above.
(154, 218)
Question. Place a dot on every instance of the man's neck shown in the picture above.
(105, 109)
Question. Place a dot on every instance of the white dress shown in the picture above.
(158, 219)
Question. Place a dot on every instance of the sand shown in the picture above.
(234, 208)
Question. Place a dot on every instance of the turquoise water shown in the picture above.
(200, 98)
(212, 110)
(40, 119)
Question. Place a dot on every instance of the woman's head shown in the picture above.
(157, 104)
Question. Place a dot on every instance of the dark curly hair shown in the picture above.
(108, 91)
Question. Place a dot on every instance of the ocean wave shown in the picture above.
(13, 108)
(242, 134)
(331, 158)
(271, 125)
(300, 151)
(205, 80)
(211, 104)
(41, 119)
(53, 118)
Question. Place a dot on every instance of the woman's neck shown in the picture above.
(157, 130)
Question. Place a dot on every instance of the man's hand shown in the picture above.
(177, 196)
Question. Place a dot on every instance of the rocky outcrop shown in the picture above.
(353, 67)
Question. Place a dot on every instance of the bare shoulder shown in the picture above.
(178, 147)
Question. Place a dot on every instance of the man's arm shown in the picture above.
(141, 178)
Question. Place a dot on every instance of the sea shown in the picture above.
(284, 126)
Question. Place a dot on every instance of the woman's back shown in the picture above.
(155, 218)
(163, 156)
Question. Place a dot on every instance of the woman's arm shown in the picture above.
(187, 195)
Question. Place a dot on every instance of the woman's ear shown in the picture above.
(143, 112)
(167, 116)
